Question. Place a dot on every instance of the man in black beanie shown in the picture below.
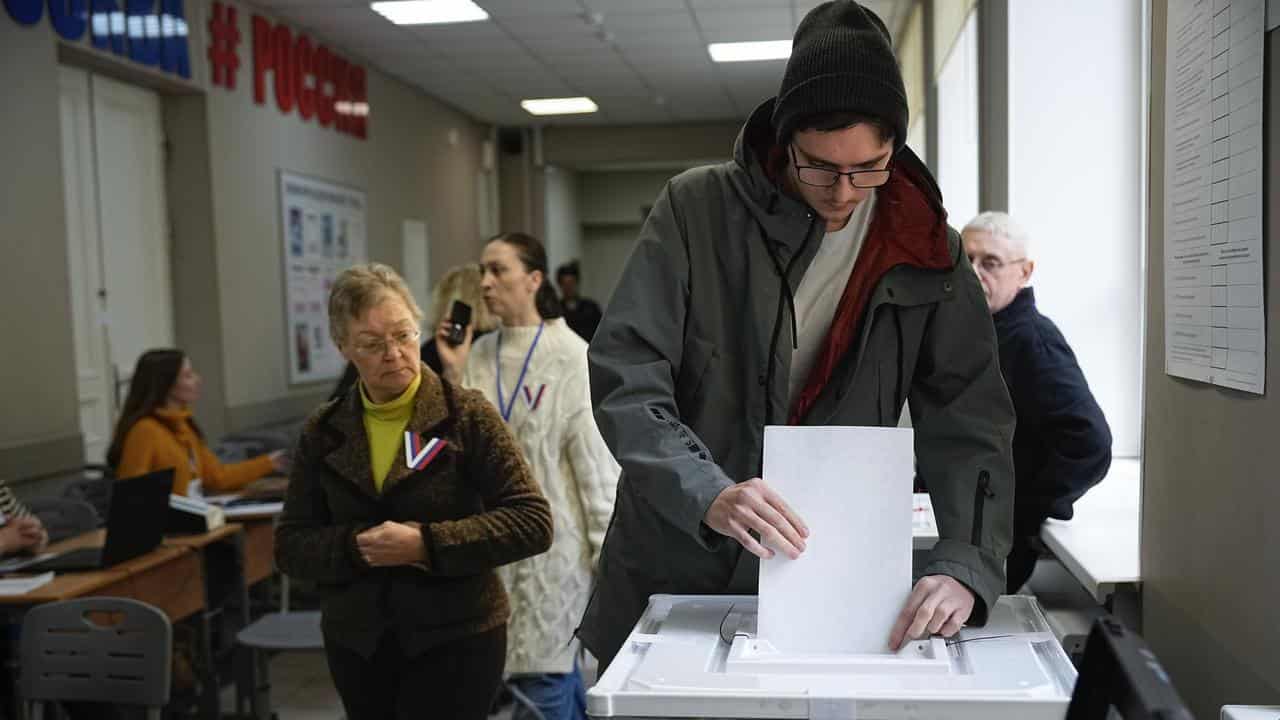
(812, 280)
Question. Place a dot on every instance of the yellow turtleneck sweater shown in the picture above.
(167, 439)
(384, 424)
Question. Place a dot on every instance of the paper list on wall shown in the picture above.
(1215, 327)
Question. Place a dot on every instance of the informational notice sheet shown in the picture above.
(1215, 322)
(323, 227)
(852, 487)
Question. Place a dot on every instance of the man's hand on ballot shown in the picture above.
(754, 506)
(938, 605)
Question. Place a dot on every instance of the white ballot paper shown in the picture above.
(852, 487)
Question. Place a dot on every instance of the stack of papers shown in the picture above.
(24, 585)
(16, 564)
(235, 505)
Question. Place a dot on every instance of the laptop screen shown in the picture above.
(137, 515)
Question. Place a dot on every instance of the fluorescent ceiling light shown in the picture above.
(559, 106)
(430, 12)
(748, 51)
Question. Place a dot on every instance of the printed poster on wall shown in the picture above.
(1215, 300)
(324, 233)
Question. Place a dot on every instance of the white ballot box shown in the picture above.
(697, 656)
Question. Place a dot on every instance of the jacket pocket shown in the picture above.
(981, 494)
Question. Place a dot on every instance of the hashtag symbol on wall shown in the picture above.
(224, 37)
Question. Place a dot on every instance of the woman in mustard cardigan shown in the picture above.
(156, 431)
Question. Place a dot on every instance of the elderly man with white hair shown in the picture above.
(1062, 445)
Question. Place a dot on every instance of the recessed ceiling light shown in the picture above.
(430, 12)
(748, 51)
(559, 106)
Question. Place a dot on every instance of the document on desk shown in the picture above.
(24, 585)
(852, 487)
(17, 564)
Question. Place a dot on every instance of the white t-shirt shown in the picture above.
(821, 288)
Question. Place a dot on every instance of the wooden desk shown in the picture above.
(202, 546)
(259, 547)
(171, 578)
(202, 540)
(259, 524)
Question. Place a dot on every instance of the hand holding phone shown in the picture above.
(456, 325)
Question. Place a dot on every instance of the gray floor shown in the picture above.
(301, 688)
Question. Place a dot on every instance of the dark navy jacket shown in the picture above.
(1062, 444)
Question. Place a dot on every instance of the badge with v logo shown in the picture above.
(532, 399)
(419, 454)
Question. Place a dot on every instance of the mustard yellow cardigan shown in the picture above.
(166, 439)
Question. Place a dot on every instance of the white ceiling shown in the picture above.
(642, 61)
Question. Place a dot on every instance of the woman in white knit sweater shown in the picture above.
(534, 369)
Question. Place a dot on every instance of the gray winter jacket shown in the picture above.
(691, 362)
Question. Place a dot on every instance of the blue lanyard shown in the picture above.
(506, 409)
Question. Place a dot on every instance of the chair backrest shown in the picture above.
(67, 655)
(94, 487)
(64, 517)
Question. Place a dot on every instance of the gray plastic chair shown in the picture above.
(273, 632)
(64, 517)
(66, 656)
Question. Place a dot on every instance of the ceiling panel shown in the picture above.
(274, 4)
(659, 22)
(634, 7)
(624, 53)
(776, 20)
(706, 4)
(575, 42)
(529, 8)
(546, 25)
(659, 43)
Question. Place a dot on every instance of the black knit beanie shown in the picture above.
(842, 61)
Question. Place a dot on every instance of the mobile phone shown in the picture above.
(459, 319)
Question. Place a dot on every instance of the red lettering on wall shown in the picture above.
(359, 102)
(282, 45)
(342, 96)
(263, 58)
(311, 78)
(303, 93)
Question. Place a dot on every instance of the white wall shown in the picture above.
(563, 234)
(606, 249)
(420, 162)
(1076, 183)
(611, 212)
(958, 126)
(39, 411)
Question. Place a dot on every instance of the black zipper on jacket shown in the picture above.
(980, 495)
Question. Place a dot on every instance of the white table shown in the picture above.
(1250, 712)
(1099, 546)
(924, 527)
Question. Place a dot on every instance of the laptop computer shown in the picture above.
(135, 525)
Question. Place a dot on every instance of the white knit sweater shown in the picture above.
(576, 472)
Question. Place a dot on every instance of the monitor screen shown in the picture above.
(1119, 671)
